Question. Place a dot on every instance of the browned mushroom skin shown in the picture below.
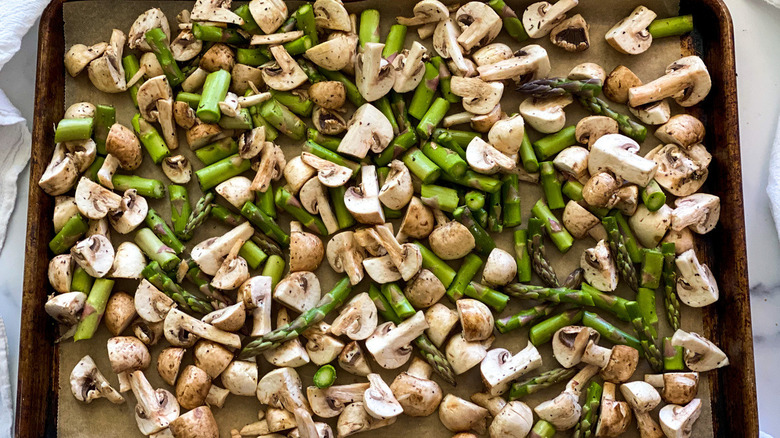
(218, 57)
(192, 387)
(197, 423)
(618, 82)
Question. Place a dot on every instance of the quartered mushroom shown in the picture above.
(151, 304)
(500, 268)
(578, 220)
(614, 415)
(479, 97)
(357, 320)
(61, 173)
(330, 402)
(529, 63)
(216, 11)
(236, 191)
(571, 34)
(545, 115)
(409, 68)
(425, 12)
(321, 347)
(418, 395)
(485, 158)
(276, 38)
(479, 25)
(83, 152)
(270, 167)
(122, 143)
(149, 333)
(150, 67)
(599, 267)
(218, 57)
(700, 353)
(95, 201)
(155, 408)
(185, 46)
(655, 113)
(459, 415)
(315, 200)
(676, 388)
(269, 14)
(682, 129)
(353, 360)
(80, 110)
(441, 321)
(506, 135)
(630, 35)
(500, 367)
(346, 255)
(180, 328)
(650, 226)
(681, 171)
(328, 94)
(397, 191)
(564, 411)
(328, 122)
(233, 271)
(329, 173)
(87, 383)
(306, 249)
(210, 253)
(120, 312)
(683, 240)
(279, 419)
(106, 72)
(288, 354)
(230, 318)
(240, 378)
(362, 201)
(79, 56)
(699, 212)
(445, 42)
(374, 75)
(284, 74)
(417, 223)
(379, 401)
(299, 291)
(368, 129)
(573, 163)
(677, 421)
(178, 169)
(60, 272)
(168, 364)
(297, 174)
(355, 419)
(464, 355)
(406, 257)
(390, 344)
(541, 17)
(331, 14)
(475, 319)
(66, 308)
(643, 398)
(696, 286)
(618, 82)
(686, 80)
(512, 419)
(424, 289)
(334, 54)
(214, 359)
(150, 94)
(197, 422)
(95, 254)
(64, 208)
(491, 54)
(127, 354)
(617, 153)
(131, 212)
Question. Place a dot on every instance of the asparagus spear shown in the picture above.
(274, 268)
(443, 198)
(284, 120)
(394, 42)
(424, 93)
(289, 203)
(180, 208)
(398, 302)
(150, 188)
(267, 224)
(475, 180)
(343, 216)
(468, 269)
(524, 317)
(445, 80)
(542, 332)
(163, 231)
(265, 200)
(81, 281)
(369, 27)
(159, 44)
(154, 273)
(105, 117)
(510, 192)
(431, 119)
(192, 99)
(385, 107)
(484, 243)
(326, 141)
(250, 25)
(540, 382)
(198, 215)
(548, 146)
(397, 148)
(574, 279)
(447, 159)
(528, 156)
(552, 87)
(627, 126)
(551, 185)
(131, 66)
(513, 26)
(492, 298)
(495, 213)
(296, 102)
(214, 91)
(94, 308)
(421, 166)
(618, 247)
(151, 139)
(305, 21)
(253, 254)
(73, 230)
(673, 26)
(628, 236)
(327, 303)
(539, 261)
(609, 331)
(653, 196)
(673, 356)
(555, 229)
(454, 140)
(588, 296)
(521, 255)
(268, 245)
(590, 412)
(216, 34)
(671, 301)
(433, 263)
(646, 338)
(156, 250)
(401, 112)
(203, 282)
(652, 266)
(542, 429)
(214, 174)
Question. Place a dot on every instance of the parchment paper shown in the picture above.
(89, 22)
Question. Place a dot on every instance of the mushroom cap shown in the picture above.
(441, 320)
(459, 415)
(177, 168)
(151, 304)
(563, 411)
(500, 268)
(197, 423)
(80, 110)
(464, 355)
(357, 320)
(424, 290)
(627, 199)
(545, 115)
(355, 419)
(331, 14)
(66, 307)
(192, 387)
(571, 34)
(328, 122)
(426, 11)
(334, 54)
(677, 421)
(569, 343)
(315, 200)
(94, 254)
(132, 211)
(599, 267)
(218, 57)
(230, 318)
(541, 17)
(451, 241)
(683, 240)
(297, 173)
(127, 353)
(241, 378)
(617, 153)
(168, 363)
(149, 93)
(700, 353)
(484, 158)
(150, 19)
(231, 274)
(618, 82)
(587, 70)
(379, 401)
(119, 313)
(95, 201)
(578, 220)
(650, 226)
(236, 191)
(479, 97)
(79, 56)
(515, 420)
(320, 346)
(353, 360)
(409, 68)
(284, 74)
(212, 358)
(681, 129)
(381, 269)
(64, 208)
(614, 417)
(500, 367)
(622, 364)
(696, 286)
(640, 395)
(418, 397)
(681, 171)
(202, 134)
(330, 174)
(601, 190)
(573, 162)
(122, 144)
(700, 212)
(679, 388)
(418, 221)
(630, 35)
(506, 135)
(368, 129)
(60, 272)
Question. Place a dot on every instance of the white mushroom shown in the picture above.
(95, 201)
(240, 378)
(122, 143)
(355, 419)
(61, 173)
(131, 212)
(696, 286)
(363, 201)
(418, 395)
(236, 191)
(215, 359)
(655, 113)
(329, 173)
(650, 226)
(357, 320)
(630, 35)
(329, 95)
(409, 68)
(94, 254)
(643, 398)
(60, 272)
(682, 129)
(233, 271)
(299, 291)
(479, 97)
(107, 170)
(353, 360)
(479, 24)
(445, 42)
(269, 168)
(66, 308)
(529, 63)
(315, 200)
(500, 268)
(389, 345)
(441, 320)
(178, 169)
(484, 158)
(331, 14)
(379, 401)
(475, 319)
(424, 290)
(368, 129)
(677, 421)
(573, 162)
(345, 255)
(578, 220)
(334, 54)
(321, 347)
(500, 367)
(614, 416)
(151, 304)
(571, 34)
(506, 135)
(617, 154)
(210, 253)
(459, 415)
(156, 408)
(330, 402)
(64, 208)
(426, 11)
(397, 190)
(180, 328)
(687, 81)
(541, 17)
(87, 383)
(676, 388)
(374, 75)
(284, 74)
(288, 354)
(79, 56)
(129, 261)
(545, 115)
(599, 267)
(699, 212)
(464, 355)
(230, 318)
(681, 171)
(700, 353)
(491, 54)
(269, 14)
(564, 410)
(106, 72)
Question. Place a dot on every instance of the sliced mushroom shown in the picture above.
(417, 223)
(106, 72)
(288, 354)
(107, 170)
(297, 173)
(643, 398)
(185, 46)
(700, 354)
(492, 53)
(696, 286)
(459, 415)
(677, 421)
(353, 360)
(374, 75)
(64, 208)
(210, 253)
(357, 320)
(572, 34)
(236, 191)
(687, 81)
(700, 212)
(334, 54)
(650, 227)
(131, 212)
(541, 17)
(425, 11)
(329, 173)
(479, 97)
(60, 272)
(321, 347)
(564, 411)
(379, 401)
(479, 24)
(355, 419)
(269, 14)
(464, 355)
(397, 190)
(630, 35)
(241, 378)
(389, 345)
(285, 74)
(627, 199)
(151, 304)
(617, 154)
(445, 42)
(615, 416)
(676, 388)
(599, 267)
(573, 162)
(79, 56)
(362, 201)
(484, 158)
(330, 402)
(230, 318)
(368, 129)
(61, 173)
(529, 63)
(150, 19)
(409, 68)
(545, 115)
(270, 168)
(156, 409)
(122, 143)
(233, 272)
(328, 122)
(656, 113)
(180, 328)
(94, 254)
(150, 93)
(682, 129)
(345, 255)
(95, 201)
(87, 383)
(500, 367)
(331, 14)
(99, 226)
(315, 200)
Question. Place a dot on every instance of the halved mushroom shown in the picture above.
(696, 286)
(331, 14)
(284, 74)
(650, 226)
(345, 255)
(479, 24)
(418, 395)
(374, 75)
(156, 408)
(368, 129)
(571, 34)
(409, 68)
(643, 398)
(210, 253)
(362, 201)
(655, 113)
(617, 154)
(87, 383)
(500, 268)
(199, 422)
(151, 304)
(64, 208)
(379, 401)
(355, 419)
(106, 72)
(389, 345)
(599, 267)
(573, 162)
(500, 367)
(682, 129)
(491, 53)
(381, 269)
(357, 320)
(95, 201)
(459, 415)
(545, 115)
(484, 158)
(120, 312)
(241, 378)
(328, 122)
(417, 223)
(479, 97)
(630, 35)
(127, 354)
(130, 214)
(83, 153)
(150, 67)
(288, 354)
(529, 63)
(627, 199)
(269, 14)
(681, 171)
(269, 168)
(94, 254)
(699, 212)
(180, 328)
(279, 419)
(61, 173)
(464, 355)
(441, 320)
(214, 359)
(321, 347)
(178, 169)
(334, 54)
(315, 200)
(185, 46)
(397, 190)
(676, 388)
(683, 240)
(299, 291)
(475, 319)
(615, 416)
(66, 308)
(353, 360)
(700, 353)
(281, 389)
(425, 11)
(297, 173)
(406, 257)
(677, 421)
(236, 191)
(328, 172)
(564, 410)
(79, 56)
(506, 135)
(150, 93)
(230, 318)
(80, 110)
(445, 42)
(618, 82)
(424, 290)
(122, 143)
(234, 270)
(541, 17)
(686, 80)
(150, 19)
(330, 402)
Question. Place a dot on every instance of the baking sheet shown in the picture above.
(89, 22)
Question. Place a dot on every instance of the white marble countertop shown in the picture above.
(757, 39)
